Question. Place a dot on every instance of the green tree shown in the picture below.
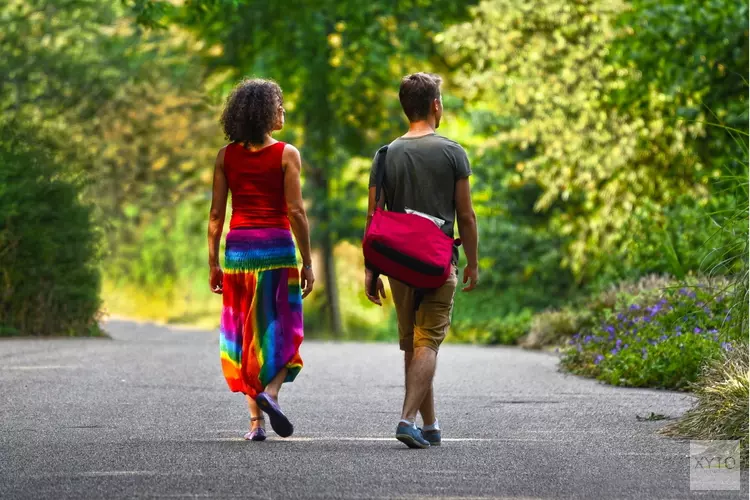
(122, 107)
(339, 63)
(594, 149)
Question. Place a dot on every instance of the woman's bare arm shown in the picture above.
(216, 221)
(292, 164)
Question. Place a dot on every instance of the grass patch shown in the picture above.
(721, 409)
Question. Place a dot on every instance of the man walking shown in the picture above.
(427, 173)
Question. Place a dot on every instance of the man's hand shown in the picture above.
(379, 290)
(216, 279)
(471, 275)
(307, 279)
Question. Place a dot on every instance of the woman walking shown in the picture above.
(262, 287)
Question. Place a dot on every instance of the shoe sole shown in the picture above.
(434, 444)
(279, 423)
(411, 442)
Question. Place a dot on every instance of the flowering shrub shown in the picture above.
(658, 339)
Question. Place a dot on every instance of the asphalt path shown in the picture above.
(146, 414)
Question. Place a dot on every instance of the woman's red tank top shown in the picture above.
(256, 181)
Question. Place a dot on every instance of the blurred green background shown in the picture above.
(607, 138)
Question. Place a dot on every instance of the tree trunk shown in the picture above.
(316, 107)
(332, 289)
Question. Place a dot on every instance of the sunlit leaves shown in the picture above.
(598, 147)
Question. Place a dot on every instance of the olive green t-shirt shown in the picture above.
(421, 174)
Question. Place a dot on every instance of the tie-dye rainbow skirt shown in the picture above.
(261, 322)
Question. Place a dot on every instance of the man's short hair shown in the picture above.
(417, 92)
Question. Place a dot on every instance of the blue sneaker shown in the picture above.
(432, 437)
(411, 436)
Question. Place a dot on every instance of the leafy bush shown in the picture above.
(504, 330)
(677, 240)
(654, 339)
(721, 408)
(48, 249)
(550, 327)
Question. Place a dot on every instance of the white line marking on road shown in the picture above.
(119, 473)
(37, 367)
(374, 439)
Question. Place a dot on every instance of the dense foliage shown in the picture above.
(604, 114)
(49, 281)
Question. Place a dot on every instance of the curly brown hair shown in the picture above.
(251, 110)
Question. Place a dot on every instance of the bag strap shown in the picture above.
(380, 172)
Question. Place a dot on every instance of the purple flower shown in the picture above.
(727, 346)
(598, 359)
(621, 317)
(587, 339)
(713, 330)
(687, 293)
(609, 329)
(635, 307)
(697, 330)
(663, 338)
(618, 343)
(644, 353)
(614, 351)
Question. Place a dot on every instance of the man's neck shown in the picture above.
(420, 128)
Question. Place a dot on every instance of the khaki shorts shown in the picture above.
(428, 326)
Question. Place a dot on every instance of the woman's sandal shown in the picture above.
(279, 423)
(257, 434)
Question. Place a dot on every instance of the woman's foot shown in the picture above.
(257, 432)
(279, 422)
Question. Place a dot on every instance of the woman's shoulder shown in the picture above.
(228, 147)
(288, 149)
(224, 152)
